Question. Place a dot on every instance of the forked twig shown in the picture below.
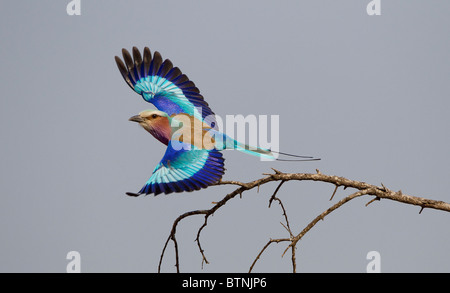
(362, 187)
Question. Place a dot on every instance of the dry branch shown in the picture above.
(362, 187)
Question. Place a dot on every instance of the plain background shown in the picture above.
(367, 94)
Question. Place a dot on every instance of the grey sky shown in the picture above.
(367, 94)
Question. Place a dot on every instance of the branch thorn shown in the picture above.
(334, 192)
(376, 198)
(276, 171)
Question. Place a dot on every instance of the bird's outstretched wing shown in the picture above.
(185, 170)
(163, 85)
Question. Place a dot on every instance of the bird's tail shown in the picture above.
(255, 151)
(223, 142)
(270, 154)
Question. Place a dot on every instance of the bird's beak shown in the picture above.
(136, 118)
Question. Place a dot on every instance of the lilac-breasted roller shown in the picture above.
(182, 117)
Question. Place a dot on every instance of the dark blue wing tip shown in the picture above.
(199, 180)
(166, 188)
(211, 173)
(134, 68)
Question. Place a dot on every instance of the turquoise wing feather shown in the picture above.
(187, 169)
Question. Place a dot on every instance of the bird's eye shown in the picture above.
(154, 116)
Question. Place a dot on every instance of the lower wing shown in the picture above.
(184, 169)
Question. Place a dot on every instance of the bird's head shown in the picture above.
(156, 122)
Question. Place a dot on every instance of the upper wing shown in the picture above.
(163, 85)
(185, 170)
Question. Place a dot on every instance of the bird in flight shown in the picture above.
(183, 122)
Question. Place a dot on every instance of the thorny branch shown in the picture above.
(362, 187)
